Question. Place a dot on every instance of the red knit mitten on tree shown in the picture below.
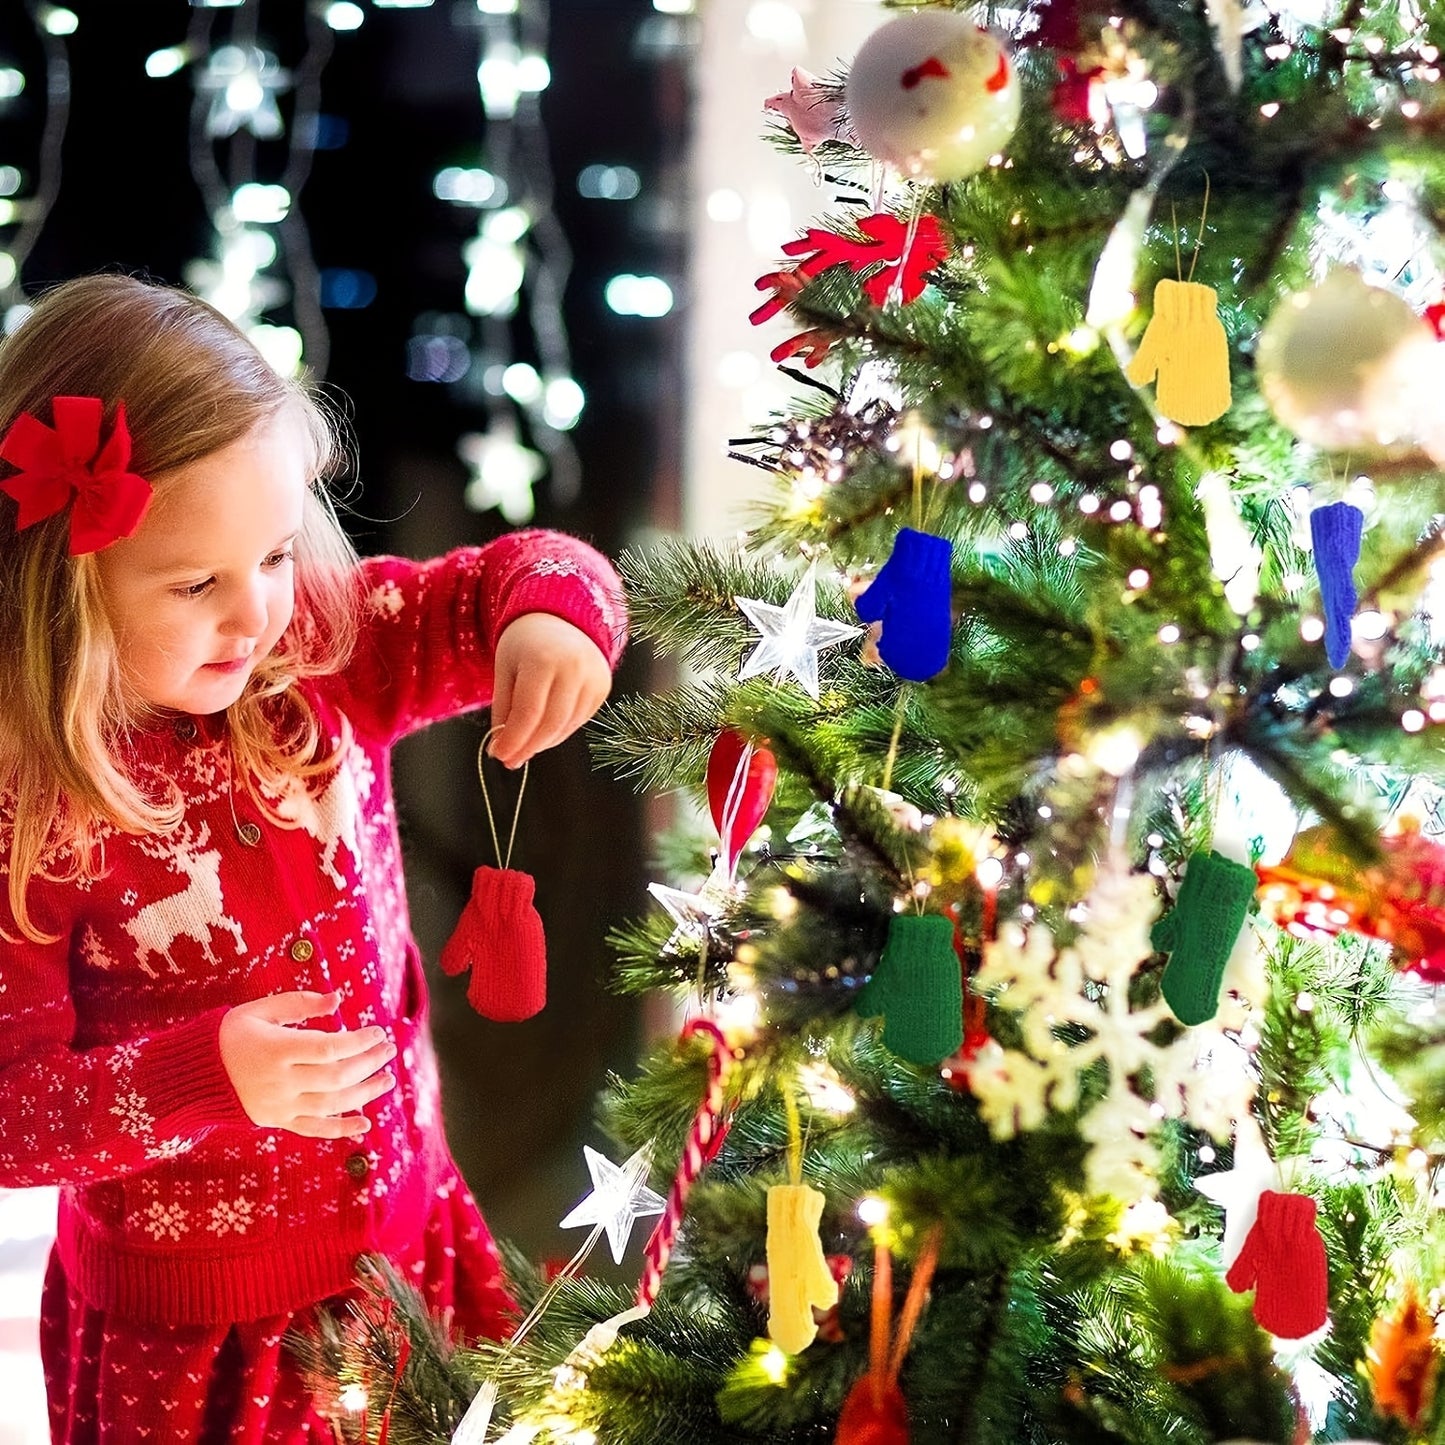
(499, 937)
(1283, 1261)
(873, 1416)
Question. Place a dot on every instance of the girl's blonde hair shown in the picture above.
(192, 384)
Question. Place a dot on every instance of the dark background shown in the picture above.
(400, 95)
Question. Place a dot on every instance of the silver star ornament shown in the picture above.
(792, 635)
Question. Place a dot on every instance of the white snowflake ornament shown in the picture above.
(1075, 1016)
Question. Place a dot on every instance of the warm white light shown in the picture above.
(12, 82)
(160, 63)
(562, 402)
(522, 383)
(872, 1209)
(673, 7)
(353, 1398)
(1412, 720)
(1341, 686)
(280, 345)
(467, 186)
(261, 204)
(533, 74)
(508, 225)
(494, 276)
(57, 20)
(773, 1362)
(497, 7)
(500, 84)
(1115, 751)
(245, 93)
(989, 872)
(1371, 626)
(630, 295)
(343, 15)
(1311, 629)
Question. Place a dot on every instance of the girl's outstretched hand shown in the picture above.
(305, 1080)
(550, 678)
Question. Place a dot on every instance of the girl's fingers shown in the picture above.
(348, 1126)
(346, 1101)
(514, 744)
(294, 1008)
(327, 1077)
(556, 726)
(311, 1046)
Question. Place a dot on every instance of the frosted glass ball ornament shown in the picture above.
(934, 95)
(1340, 364)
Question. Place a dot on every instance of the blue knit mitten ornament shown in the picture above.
(1200, 931)
(912, 595)
(1336, 530)
(918, 989)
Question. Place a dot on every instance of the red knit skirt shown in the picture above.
(114, 1381)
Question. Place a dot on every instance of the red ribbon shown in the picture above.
(67, 461)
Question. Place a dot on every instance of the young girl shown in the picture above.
(213, 1020)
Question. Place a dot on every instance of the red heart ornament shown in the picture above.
(741, 775)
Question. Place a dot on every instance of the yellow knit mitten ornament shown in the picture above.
(1185, 347)
(798, 1275)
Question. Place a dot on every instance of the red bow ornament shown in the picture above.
(67, 461)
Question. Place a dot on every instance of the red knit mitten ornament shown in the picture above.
(499, 937)
(873, 1417)
(1283, 1261)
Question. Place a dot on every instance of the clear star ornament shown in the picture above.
(792, 635)
(619, 1198)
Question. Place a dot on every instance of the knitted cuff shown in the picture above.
(570, 599)
(183, 1081)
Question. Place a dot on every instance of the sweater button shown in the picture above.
(358, 1166)
(249, 833)
(302, 950)
(186, 729)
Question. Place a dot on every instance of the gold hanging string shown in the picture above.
(502, 862)
(795, 1137)
(1199, 239)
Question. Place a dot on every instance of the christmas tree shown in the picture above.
(1062, 1061)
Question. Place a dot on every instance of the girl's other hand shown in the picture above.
(550, 678)
(308, 1081)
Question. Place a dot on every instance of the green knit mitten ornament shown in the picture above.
(1199, 933)
(917, 988)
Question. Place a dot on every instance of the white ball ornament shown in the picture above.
(933, 94)
(1341, 365)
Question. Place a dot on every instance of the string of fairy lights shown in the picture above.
(256, 123)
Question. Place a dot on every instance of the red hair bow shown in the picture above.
(54, 464)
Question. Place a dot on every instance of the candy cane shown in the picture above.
(704, 1139)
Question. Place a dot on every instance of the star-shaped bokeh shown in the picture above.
(792, 635)
(503, 472)
(619, 1198)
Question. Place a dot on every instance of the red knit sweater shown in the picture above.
(174, 1206)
